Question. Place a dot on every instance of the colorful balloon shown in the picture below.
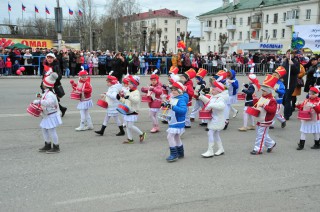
(189, 49)
(18, 72)
(22, 69)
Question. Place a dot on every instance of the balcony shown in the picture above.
(256, 25)
(292, 21)
(207, 29)
(231, 27)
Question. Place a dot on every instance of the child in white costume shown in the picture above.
(132, 101)
(50, 116)
(112, 98)
(216, 103)
(84, 87)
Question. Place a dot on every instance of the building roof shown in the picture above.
(248, 4)
(162, 13)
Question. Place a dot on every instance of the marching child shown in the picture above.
(216, 103)
(201, 84)
(84, 87)
(280, 90)
(124, 90)
(132, 101)
(155, 90)
(233, 86)
(177, 114)
(312, 125)
(249, 90)
(50, 116)
(112, 98)
(267, 106)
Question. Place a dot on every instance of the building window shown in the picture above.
(266, 34)
(166, 22)
(294, 14)
(267, 19)
(208, 23)
(283, 33)
(249, 20)
(274, 34)
(258, 34)
(165, 37)
(178, 21)
(214, 36)
(308, 16)
(234, 21)
(178, 29)
(240, 35)
(215, 24)
(220, 23)
(241, 21)
(165, 29)
(284, 16)
(226, 22)
(209, 36)
(232, 35)
(275, 18)
(248, 35)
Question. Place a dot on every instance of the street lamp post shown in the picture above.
(144, 33)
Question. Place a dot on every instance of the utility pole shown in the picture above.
(58, 20)
(90, 25)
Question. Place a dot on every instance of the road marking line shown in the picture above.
(86, 199)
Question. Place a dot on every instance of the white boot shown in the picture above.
(209, 153)
(220, 149)
(89, 124)
(81, 127)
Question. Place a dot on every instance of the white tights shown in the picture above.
(130, 128)
(153, 115)
(315, 135)
(174, 139)
(115, 118)
(50, 132)
(85, 116)
(213, 136)
(245, 118)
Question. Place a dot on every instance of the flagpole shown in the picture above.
(22, 23)
(46, 24)
(9, 17)
(69, 24)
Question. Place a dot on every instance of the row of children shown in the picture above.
(218, 99)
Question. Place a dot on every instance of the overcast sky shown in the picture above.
(188, 8)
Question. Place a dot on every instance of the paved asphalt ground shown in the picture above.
(99, 173)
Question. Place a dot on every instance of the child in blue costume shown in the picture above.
(177, 116)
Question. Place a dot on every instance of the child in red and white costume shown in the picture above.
(267, 106)
(216, 103)
(84, 87)
(50, 116)
(112, 98)
(311, 104)
(186, 79)
(124, 90)
(132, 100)
(155, 90)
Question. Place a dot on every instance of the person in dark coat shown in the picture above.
(294, 71)
(311, 80)
(52, 63)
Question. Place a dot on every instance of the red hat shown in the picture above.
(253, 78)
(314, 89)
(125, 80)
(49, 81)
(269, 83)
(134, 80)
(83, 73)
(202, 72)
(174, 70)
(154, 75)
(174, 78)
(179, 86)
(112, 79)
(222, 75)
(281, 71)
(218, 86)
(191, 73)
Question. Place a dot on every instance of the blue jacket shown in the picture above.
(280, 90)
(180, 110)
(234, 85)
(249, 92)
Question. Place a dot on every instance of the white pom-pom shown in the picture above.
(82, 68)
(252, 76)
(225, 69)
(110, 73)
(251, 70)
(155, 71)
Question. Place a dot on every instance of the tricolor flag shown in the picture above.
(80, 13)
(23, 8)
(36, 9)
(9, 7)
(70, 12)
(47, 10)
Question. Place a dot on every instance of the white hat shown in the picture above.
(50, 80)
(181, 88)
(51, 55)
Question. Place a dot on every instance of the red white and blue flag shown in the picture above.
(23, 8)
(70, 12)
(9, 7)
(47, 10)
(80, 12)
(36, 9)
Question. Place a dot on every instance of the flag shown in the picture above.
(70, 12)
(9, 7)
(80, 13)
(36, 9)
(23, 8)
(47, 10)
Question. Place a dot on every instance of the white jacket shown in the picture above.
(133, 102)
(49, 103)
(217, 104)
(111, 98)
